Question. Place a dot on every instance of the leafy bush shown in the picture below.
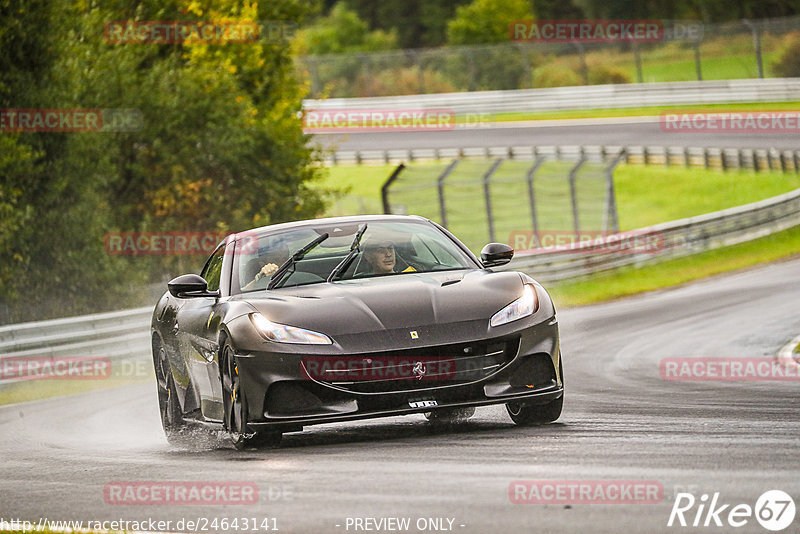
(600, 74)
(555, 75)
(788, 63)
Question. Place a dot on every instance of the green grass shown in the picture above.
(650, 195)
(628, 281)
(637, 112)
(28, 390)
(645, 195)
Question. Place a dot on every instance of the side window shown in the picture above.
(213, 269)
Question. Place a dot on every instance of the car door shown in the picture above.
(197, 336)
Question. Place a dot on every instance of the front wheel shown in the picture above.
(235, 405)
(537, 414)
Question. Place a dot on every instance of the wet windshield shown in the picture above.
(385, 248)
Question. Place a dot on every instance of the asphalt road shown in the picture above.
(621, 422)
(633, 131)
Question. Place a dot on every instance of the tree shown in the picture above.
(486, 21)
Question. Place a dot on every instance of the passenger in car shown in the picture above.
(268, 265)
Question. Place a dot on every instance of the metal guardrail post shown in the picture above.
(666, 157)
(532, 197)
(488, 196)
(687, 157)
(573, 193)
(385, 188)
(706, 158)
(610, 218)
(440, 190)
(796, 159)
(756, 164)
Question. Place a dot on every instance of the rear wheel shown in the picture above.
(171, 414)
(450, 415)
(537, 414)
(235, 405)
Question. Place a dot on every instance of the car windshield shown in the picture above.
(385, 248)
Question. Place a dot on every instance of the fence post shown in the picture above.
(697, 66)
(687, 157)
(756, 45)
(706, 158)
(638, 60)
(488, 196)
(532, 198)
(385, 188)
(756, 164)
(584, 67)
(611, 197)
(722, 162)
(796, 159)
(666, 157)
(574, 195)
(420, 72)
(440, 189)
(741, 159)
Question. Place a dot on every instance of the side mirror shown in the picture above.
(190, 285)
(495, 254)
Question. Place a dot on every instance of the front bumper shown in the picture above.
(281, 395)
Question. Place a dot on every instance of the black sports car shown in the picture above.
(347, 318)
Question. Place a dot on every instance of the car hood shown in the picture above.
(438, 306)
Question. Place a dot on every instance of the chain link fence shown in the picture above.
(688, 51)
(557, 193)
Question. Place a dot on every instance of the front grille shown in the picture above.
(414, 369)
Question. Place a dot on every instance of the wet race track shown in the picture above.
(621, 421)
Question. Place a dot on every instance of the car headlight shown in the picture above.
(282, 333)
(522, 307)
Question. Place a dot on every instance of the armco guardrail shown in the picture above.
(581, 97)
(676, 238)
(120, 335)
(756, 159)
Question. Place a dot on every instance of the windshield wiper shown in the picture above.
(354, 249)
(297, 256)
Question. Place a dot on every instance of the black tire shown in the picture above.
(537, 414)
(171, 414)
(447, 416)
(235, 405)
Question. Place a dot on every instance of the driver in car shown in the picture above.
(382, 258)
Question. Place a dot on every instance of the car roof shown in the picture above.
(331, 220)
